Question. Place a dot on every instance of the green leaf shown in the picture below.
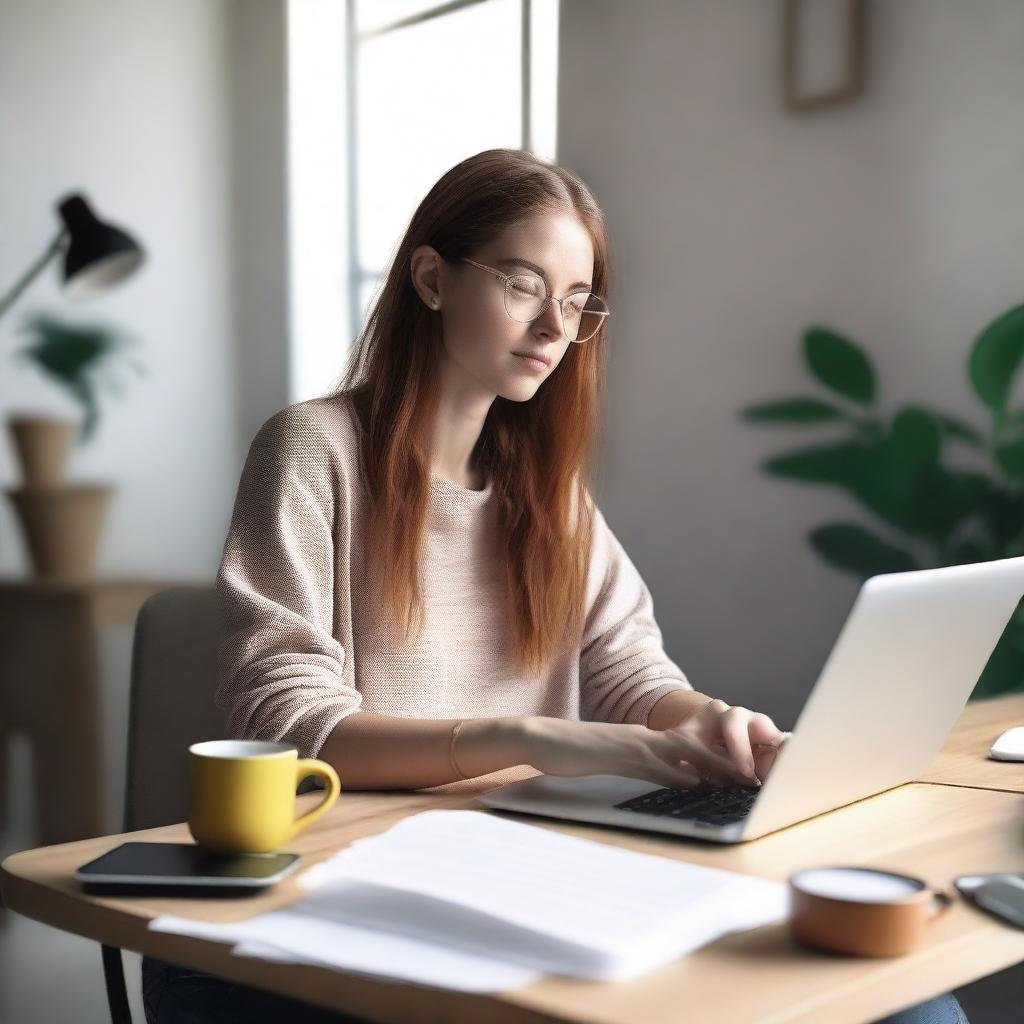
(953, 427)
(73, 356)
(1004, 672)
(943, 498)
(792, 410)
(823, 464)
(899, 482)
(995, 358)
(971, 549)
(1002, 516)
(1010, 457)
(855, 549)
(861, 467)
(839, 364)
(915, 439)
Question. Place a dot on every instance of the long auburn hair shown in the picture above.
(539, 455)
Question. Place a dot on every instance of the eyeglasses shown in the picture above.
(526, 298)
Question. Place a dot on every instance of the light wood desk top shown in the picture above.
(935, 831)
(964, 760)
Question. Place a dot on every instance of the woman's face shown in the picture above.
(480, 338)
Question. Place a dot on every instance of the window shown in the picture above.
(385, 97)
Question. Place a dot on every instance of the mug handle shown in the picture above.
(942, 901)
(310, 766)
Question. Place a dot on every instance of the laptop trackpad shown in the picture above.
(598, 791)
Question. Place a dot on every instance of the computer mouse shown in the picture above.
(1009, 746)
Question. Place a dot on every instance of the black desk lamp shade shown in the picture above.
(99, 254)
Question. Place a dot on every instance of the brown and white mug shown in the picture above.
(862, 911)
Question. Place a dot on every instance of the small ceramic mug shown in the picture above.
(862, 911)
(242, 794)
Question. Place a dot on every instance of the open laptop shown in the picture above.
(898, 678)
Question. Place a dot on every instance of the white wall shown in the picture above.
(735, 226)
(129, 102)
(896, 220)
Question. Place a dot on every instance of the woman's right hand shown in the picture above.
(557, 746)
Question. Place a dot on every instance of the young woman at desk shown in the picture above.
(418, 585)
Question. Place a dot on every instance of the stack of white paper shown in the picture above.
(471, 900)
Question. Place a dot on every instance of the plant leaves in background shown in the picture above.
(792, 410)
(72, 356)
(855, 549)
(898, 477)
(839, 364)
(862, 468)
(944, 498)
(1004, 671)
(915, 440)
(1001, 514)
(895, 470)
(995, 357)
(1010, 456)
(955, 428)
(971, 549)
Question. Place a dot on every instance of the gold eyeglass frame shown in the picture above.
(507, 278)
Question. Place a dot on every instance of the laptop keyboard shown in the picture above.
(706, 806)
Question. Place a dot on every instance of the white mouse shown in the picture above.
(1009, 746)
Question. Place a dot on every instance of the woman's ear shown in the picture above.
(425, 274)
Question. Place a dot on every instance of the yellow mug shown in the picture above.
(242, 794)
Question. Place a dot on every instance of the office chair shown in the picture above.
(173, 677)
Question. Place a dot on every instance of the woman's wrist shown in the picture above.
(485, 745)
(675, 707)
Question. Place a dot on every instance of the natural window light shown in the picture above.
(384, 97)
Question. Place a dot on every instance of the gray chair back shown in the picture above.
(173, 677)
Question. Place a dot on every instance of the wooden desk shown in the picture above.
(936, 831)
(964, 760)
(49, 689)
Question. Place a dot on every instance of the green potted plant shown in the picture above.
(61, 521)
(923, 510)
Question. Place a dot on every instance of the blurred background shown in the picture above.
(767, 170)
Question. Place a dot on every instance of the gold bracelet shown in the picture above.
(451, 751)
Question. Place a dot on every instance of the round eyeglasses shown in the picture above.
(526, 298)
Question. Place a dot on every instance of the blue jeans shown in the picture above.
(179, 995)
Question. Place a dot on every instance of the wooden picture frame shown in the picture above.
(838, 30)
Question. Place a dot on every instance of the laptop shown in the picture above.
(897, 679)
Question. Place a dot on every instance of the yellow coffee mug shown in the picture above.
(242, 794)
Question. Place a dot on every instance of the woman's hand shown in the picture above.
(749, 739)
(708, 747)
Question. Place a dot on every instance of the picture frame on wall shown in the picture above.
(823, 53)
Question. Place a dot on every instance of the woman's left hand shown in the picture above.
(750, 739)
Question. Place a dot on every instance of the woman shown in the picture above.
(417, 583)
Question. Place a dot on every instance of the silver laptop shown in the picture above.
(898, 678)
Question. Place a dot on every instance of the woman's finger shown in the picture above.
(743, 732)
(684, 746)
(703, 731)
(764, 758)
(722, 765)
(735, 726)
(763, 730)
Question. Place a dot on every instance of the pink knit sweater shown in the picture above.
(303, 646)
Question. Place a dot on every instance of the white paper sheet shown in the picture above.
(290, 936)
(535, 896)
(473, 901)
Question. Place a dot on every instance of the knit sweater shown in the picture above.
(303, 646)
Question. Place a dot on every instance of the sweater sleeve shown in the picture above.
(624, 670)
(280, 667)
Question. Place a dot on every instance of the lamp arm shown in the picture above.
(33, 271)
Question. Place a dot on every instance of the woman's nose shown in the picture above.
(551, 319)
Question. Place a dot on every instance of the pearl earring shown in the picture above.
(433, 302)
